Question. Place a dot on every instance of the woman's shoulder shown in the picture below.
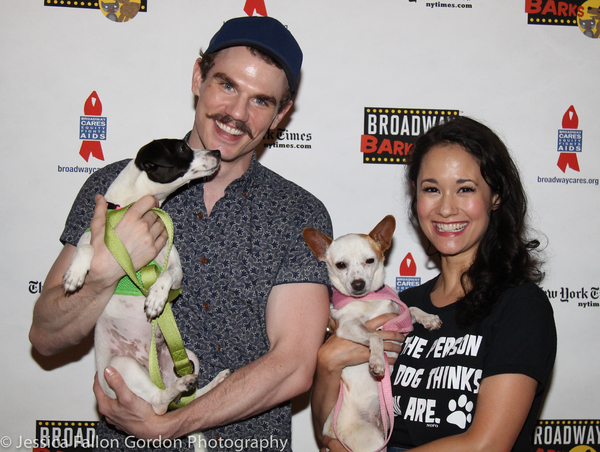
(525, 301)
(417, 295)
(527, 293)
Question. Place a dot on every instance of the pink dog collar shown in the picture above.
(401, 324)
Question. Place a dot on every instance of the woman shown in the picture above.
(477, 383)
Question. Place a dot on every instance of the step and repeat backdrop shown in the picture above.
(83, 84)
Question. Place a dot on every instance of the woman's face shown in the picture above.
(454, 202)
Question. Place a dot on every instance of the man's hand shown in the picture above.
(143, 234)
(128, 412)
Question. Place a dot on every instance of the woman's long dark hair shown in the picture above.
(505, 257)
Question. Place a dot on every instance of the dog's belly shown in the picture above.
(123, 330)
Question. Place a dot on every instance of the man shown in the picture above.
(254, 298)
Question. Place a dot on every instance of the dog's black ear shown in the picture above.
(383, 232)
(158, 153)
(164, 160)
(317, 242)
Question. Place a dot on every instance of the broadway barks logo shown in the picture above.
(64, 436)
(567, 436)
(390, 133)
(580, 13)
(115, 10)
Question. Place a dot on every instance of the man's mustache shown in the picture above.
(226, 119)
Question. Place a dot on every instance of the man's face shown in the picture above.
(237, 103)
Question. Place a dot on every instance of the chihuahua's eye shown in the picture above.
(370, 261)
(340, 265)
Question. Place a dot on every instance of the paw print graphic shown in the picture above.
(460, 411)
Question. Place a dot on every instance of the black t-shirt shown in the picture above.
(437, 376)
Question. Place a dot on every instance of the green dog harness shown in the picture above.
(139, 283)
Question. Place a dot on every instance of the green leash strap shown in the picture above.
(182, 366)
(144, 280)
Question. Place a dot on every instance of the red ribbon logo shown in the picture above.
(408, 266)
(255, 5)
(92, 107)
(569, 159)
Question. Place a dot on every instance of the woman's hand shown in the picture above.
(392, 340)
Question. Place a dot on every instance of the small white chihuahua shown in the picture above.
(123, 332)
(355, 265)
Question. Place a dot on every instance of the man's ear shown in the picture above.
(280, 115)
(196, 78)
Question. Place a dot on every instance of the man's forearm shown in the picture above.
(61, 320)
(250, 390)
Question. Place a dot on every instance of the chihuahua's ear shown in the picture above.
(383, 232)
(317, 242)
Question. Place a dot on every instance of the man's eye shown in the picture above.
(340, 265)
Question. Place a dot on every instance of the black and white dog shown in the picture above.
(123, 333)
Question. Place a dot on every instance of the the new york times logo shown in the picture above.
(287, 139)
(390, 133)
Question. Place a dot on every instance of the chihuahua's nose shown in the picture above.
(358, 284)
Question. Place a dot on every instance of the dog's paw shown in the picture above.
(186, 383)
(74, 277)
(377, 366)
(431, 322)
(222, 376)
(155, 302)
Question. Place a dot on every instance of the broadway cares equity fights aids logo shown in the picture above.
(92, 131)
(92, 128)
(408, 272)
(570, 148)
(390, 133)
(575, 13)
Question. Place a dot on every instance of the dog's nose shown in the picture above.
(358, 284)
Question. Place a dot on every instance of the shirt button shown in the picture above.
(244, 193)
(219, 347)
(200, 215)
(206, 306)
(203, 260)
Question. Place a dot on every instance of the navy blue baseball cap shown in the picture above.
(266, 34)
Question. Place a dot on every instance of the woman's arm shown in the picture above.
(502, 407)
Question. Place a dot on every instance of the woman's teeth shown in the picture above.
(450, 227)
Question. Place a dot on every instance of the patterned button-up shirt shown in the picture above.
(251, 241)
